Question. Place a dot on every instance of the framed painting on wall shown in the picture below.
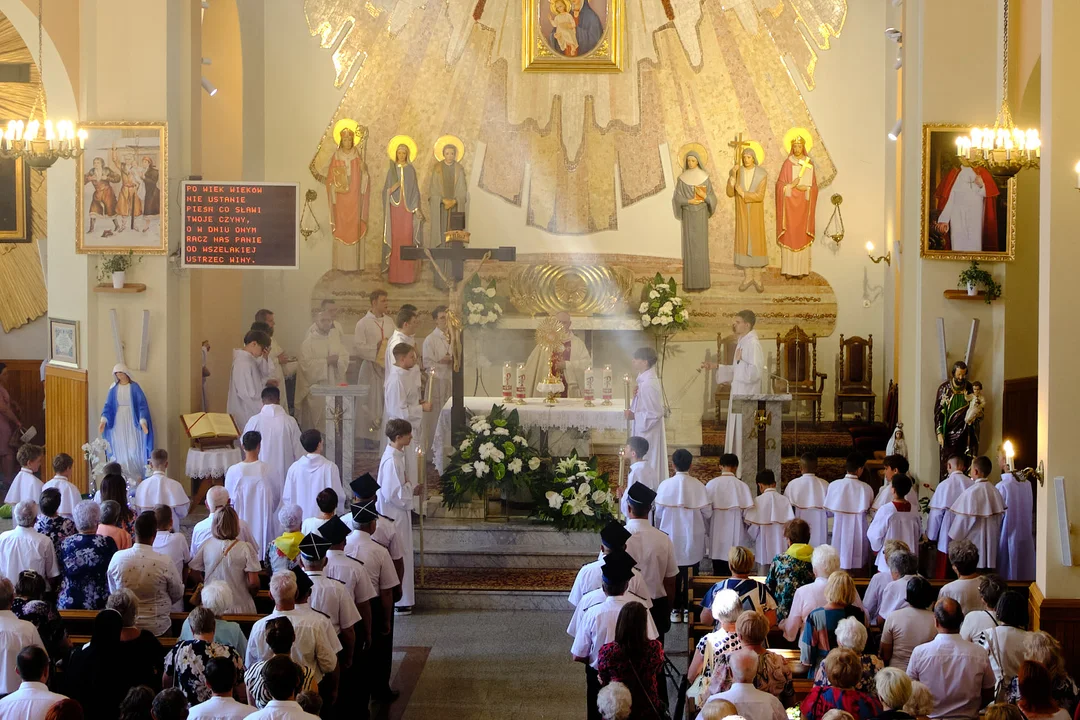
(121, 189)
(64, 343)
(572, 35)
(967, 212)
(15, 210)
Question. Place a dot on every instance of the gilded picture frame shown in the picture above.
(64, 343)
(573, 36)
(122, 189)
(964, 236)
(16, 219)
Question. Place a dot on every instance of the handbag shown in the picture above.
(1001, 687)
(196, 594)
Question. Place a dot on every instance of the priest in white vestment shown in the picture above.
(898, 520)
(1016, 548)
(158, 489)
(310, 474)
(807, 496)
(848, 499)
(766, 520)
(252, 492)
(647, 415)
(248, 377)
(395, 501)
(281, 365)
(369, 343)
(978, 513)
(330, 308)
(569, 365)
(280, 446)
(747, 375)
(941, 517)
(403, 399)
(437, 357)
(683, 511)
(324, 359)
(730, 499)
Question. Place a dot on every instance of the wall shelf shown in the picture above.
(128, 288)
(963, 295)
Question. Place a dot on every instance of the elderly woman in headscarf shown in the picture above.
(283, 553)
(126, 425)
(694, 202)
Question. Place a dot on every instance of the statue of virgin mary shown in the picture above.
(126, 425)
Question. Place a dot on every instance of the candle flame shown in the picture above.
(1010, 452)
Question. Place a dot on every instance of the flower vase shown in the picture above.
(118, 279)
(972, 289)
(496, 506)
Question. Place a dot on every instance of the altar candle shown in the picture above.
(590, 379)
(508, 381)
(519, 385)
(606, 386)
(626, 392)
(430, 384)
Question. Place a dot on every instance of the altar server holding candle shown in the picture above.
(1016, 548)
(403, 400)
(647, 413)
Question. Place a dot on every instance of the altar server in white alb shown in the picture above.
(730, 499)
(941, 517)
(636, 449)
(324, 360)
(978, 513)
(437, 357)
(899, 520)
(849, 499)
(747, 375)
(249, 375)
(1016, 549)
(407, 320)
(310, 474)
(807, 495)
(647, 413)
(369, 343)
(280, 364)
(252, 491)
(280, 445)
(766, 520)
(159, 489)
(894, 465)
(683, 511)
(403, 401)
(395, 500)
(69, 494)
(25, 485)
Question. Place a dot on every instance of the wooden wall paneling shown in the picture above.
(24, 386)
(66, 400)
(1061, 618)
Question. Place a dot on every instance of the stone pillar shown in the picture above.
(1054, 596)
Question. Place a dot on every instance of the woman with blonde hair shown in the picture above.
(227, 558)
(819, 630)
(921, 703)
(773, 675)
(718, 709)
(753, 595)
(843, 669)
(893, 688)
(851, 634)
(1043, 648)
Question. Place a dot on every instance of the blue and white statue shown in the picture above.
(126, 425)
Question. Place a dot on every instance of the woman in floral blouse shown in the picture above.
(84, 561)
(634, 660)
(185, 665)
(792, 570)
(29, 604)
(51, 524)
(773, 675)
(714, 648)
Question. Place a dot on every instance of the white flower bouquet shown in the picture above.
(662, 310)
(494, 454)
(577, 496)
(96, 452)
(481, 308)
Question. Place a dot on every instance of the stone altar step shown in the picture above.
(457, 543)
(494, 589)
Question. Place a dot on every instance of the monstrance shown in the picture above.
(552, 336)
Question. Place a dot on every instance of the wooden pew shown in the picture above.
(81, 622)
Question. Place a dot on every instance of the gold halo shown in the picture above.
(696, 147)
(794, 132)
(449, 140)
(759, 152)
(347, 124)
(392, 146)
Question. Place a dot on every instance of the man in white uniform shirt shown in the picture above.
(807, 495)
(33, 699)
(849, 500)
(150, 575)
(251, 491)
(328, 596)
(746, 374)
(647, 415)
(350, 573)
(280, 446)
(437, 357)
(15, 634)
(158, 489)
(216, 498)
(613, 538)
(683, 511)
(172, 545)
(654, 553)
(310, 474)
(324, 360)
(370, 337)
(24, 548)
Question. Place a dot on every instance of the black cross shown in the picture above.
(456, 252)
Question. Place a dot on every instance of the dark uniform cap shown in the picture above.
(334, 531)
(314, 547)
(364, 486)
(363, 513)
(618, 567)
(641, 494)
(614, 535)
(303, 582)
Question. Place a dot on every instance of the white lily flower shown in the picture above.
(555, 500)
(501, 431)
(482, 468)
(467, 468)
(643, 307)
(518, 440)
(491, 292)
(534, 463)
(677, 300)
(465, 444)
(656, 320)
(514, 465)
(653, 294)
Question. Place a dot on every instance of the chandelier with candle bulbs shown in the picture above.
(41, 143)
(1003, 149)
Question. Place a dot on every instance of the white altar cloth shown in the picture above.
(567, 413)
(202, 464)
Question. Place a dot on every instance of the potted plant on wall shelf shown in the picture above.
(116, 267)
(975, 276)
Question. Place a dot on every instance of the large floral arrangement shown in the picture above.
(481, 309)
(661, 309)
(96, 453)
(577, 496)
(493, 455)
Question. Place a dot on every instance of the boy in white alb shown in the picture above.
(161, 490)
(251, 489)
(310, 474)
(730, 498)
(395, 501)
(69, 494)
(894, 465)
(25, 485)
(683, 511)
(172, 545)
(898, 520)
(647, 414)
(250, 373)
(849, 499)
(636, 449)
(977, 514)
(807, 496)
(403, 400)
(766, 520)
(941, 517)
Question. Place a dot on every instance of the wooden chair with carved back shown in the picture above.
(796, 357)
(855, 375)
(725, 351)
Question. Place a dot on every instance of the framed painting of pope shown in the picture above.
(572, 36)
(967, 212)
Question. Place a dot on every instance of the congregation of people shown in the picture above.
(783, 600)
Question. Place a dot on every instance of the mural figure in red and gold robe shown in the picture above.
(348, 185)
(796, 200)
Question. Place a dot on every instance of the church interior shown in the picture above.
(538, 254)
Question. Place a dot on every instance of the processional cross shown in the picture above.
(456, 252)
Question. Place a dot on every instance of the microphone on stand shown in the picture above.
(787, 383)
